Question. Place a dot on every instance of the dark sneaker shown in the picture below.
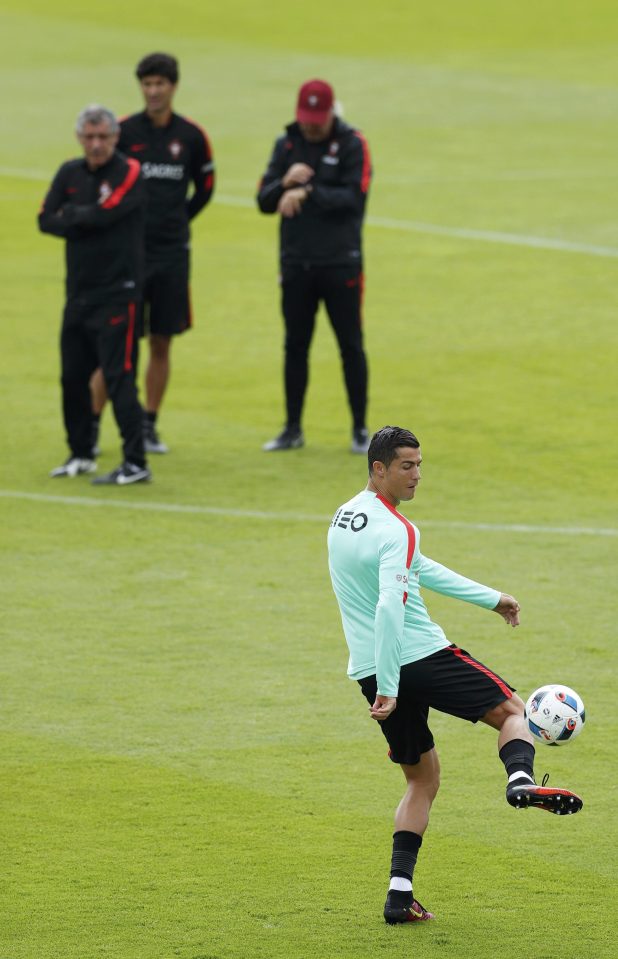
(74, 466)
(152, 440)
(360, 441)
(290, 439)
(123, 475)
(562, 802)
(402, 907)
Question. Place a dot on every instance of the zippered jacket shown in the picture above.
(327, 231)
(100, 214)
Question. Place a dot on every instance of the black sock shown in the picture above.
(518, 757)
(151, 417)
(405, 851)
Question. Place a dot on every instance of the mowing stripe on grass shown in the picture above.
(232, 513)
(412, 226)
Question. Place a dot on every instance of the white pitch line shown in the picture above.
(414, 226)
(494, 236)
(232, 513)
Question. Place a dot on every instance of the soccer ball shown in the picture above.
(555, 714)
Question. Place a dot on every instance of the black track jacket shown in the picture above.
(327, 232)
(172, 158)
(100, 213)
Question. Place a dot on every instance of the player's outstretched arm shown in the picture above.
(508, 608)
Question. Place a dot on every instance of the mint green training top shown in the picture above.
(377, 570)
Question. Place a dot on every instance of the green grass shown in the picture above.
(187, 772)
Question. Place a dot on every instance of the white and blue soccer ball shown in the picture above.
(555, 714)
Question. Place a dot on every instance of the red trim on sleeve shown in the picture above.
(366, 171)
(472, 662)
(128, 344)
(121, 191)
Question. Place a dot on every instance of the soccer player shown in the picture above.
(317, 180)
(404, 663)
(96, 203)
(175, 154)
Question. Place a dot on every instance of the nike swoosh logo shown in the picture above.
(136, 147)
(115, 320)
(125, 480)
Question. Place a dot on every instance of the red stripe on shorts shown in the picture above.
(472, 662)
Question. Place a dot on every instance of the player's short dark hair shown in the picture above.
(158, 65)
(385, 443)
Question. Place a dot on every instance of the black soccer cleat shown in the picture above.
(402, 907)
(291, 438)
(524, 794)
(124, 475)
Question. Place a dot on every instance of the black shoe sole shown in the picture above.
(561, 802)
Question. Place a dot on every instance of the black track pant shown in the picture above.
(102, 336)
(341, 290)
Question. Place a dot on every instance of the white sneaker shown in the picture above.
(74, 467)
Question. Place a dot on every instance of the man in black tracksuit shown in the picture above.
(96, 204)
(176, 158)
(317, 180)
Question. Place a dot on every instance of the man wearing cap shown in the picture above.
(317, 180)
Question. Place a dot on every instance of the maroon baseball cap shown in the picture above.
(315, 101)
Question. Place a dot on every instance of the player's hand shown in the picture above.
(299, 173)
(291, 203)
(508, 608)
(383, 707)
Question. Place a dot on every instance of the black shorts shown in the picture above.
(167, 301)
(450, 681)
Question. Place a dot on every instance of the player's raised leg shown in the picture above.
(516, 750)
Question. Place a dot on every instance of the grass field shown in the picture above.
(186, 770)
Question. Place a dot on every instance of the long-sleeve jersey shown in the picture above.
(327, 231)
(377, 570)
(100, 214)
(172, 158)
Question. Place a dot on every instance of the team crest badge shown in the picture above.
(105, 191)
(175, 148)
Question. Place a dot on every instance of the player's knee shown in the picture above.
(430, 787)
(497, 716)
(159, 346)
(427, 782)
